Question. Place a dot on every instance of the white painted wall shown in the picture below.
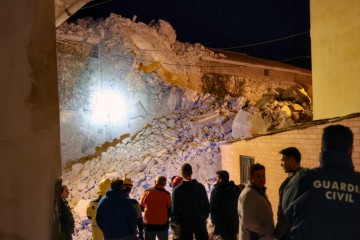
(29, 119)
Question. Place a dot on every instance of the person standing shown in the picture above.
(290, 161)
(127, 187)
(67, 224)
(223, 207)
(97, 234)
(175, 228)
(116, 215)
(190, 206)
(254, 208)
(156, 203)
(324, 203)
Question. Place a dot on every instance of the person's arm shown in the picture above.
(283, 224)
(204, 201)
(100, 213)
(176, 206)
(213, 206)
(131, 216)
(295, 194)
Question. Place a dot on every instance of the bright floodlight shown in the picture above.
(108, 106)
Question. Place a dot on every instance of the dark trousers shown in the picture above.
(187, 231)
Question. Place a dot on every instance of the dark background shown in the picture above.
(225, 23)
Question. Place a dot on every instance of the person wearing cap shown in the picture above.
(175, 180)
(97, 234)
(190, 206)
(223, 207)
(290, 162)
(127, 187)
(175, 228)
(156, 204)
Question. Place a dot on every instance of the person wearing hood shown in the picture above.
(115, 215)
(255, 212)
(97, 234)
(190, 206)
(324, 203)
(223, 207)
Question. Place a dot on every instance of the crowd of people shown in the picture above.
(314, 204)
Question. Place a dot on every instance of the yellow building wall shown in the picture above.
(266, 149)
(335, 37)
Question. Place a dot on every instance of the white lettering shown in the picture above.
(351, 188)
(335, 186)
(317, 184)
(328, 195)
(343, 186)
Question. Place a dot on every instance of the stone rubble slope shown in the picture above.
(189, 134)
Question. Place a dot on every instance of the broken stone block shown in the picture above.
(246, 124)
(298, 94)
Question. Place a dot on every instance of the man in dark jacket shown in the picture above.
(66, 217)
(324, 203)
(223, 207)
(116, 215)
(190, 206)
(290, 162)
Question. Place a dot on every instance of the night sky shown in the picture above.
(225, 23)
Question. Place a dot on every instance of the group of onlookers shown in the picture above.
(317, 204)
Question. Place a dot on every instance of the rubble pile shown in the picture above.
(189, 134)
(170, 123)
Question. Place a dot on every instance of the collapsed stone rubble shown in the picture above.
(189, 134)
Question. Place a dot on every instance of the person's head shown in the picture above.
(337, 138)
(160, 180)
(222, 176)
(127, 185)
(104, 185)
(175, 180)
(257, 175)
(64, 192)
(117, 184)
(186, 171)
(290, 159)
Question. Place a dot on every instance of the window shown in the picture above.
(245, 163)
(266, 72)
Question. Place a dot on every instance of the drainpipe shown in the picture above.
(70, 11)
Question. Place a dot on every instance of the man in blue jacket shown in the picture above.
(190, 206)
(324, 203)
(116, 216)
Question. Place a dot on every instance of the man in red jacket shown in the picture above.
(156, 204)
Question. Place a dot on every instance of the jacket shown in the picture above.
(255, 213)
(223, 208)
(324, 203)
(66, 218)
(283, 225)
(97, 234)
(116, 215)
(156, 204)
(190, 203)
